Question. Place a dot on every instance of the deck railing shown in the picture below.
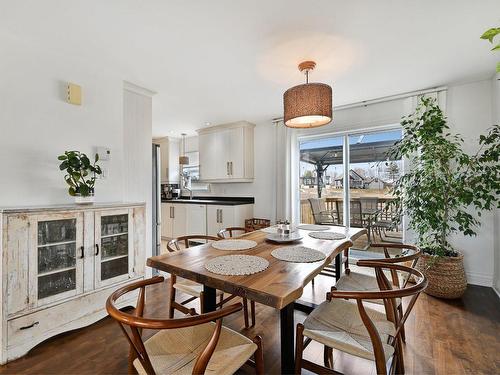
(307, 217)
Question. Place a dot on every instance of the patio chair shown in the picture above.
(196, 344)
(191, 288)
(356, 217)
(320, 213)
(352, 328)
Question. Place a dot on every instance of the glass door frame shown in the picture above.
(33, 258)
(99, 283)
(345, 134)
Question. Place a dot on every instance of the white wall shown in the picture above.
(37, 124)
(469, 110)
(495, 100)
(137, 127)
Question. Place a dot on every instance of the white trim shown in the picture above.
(129, 86)
(496, 291)
(482, 279)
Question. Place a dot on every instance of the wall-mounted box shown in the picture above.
(74, 94)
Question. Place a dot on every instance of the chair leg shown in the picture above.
(328, 356)
(312, 281)
(221, 299)
(252, 312)
(245, 312)
(400, 313)
(400, 364)
(259, 356)
(299, 348)
(202, 307)
(172, 298)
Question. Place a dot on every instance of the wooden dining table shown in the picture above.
(279, 286)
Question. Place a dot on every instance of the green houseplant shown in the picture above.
(444, 191)
(80, 175)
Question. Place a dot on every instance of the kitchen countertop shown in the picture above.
(223, 201)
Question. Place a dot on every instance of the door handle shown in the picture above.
(82, 254)
(96, 249)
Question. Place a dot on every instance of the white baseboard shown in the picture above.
(497, 291)
(479, 279)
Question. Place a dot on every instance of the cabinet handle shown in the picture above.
(30, 326)
(231, 169)
(96, 249)
(217, 216)
(227, 168)
(221, 218)
(173, 212)
(82, 255)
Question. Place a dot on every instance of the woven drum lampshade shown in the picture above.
(308, 105)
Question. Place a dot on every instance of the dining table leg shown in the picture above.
(338, 266)
(208, 299)
(287, 328)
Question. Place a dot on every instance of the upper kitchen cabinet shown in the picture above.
(169, 149)
(226, 152)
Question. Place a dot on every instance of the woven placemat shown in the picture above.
(313, 227)
(234, 245)
(327, 235)
(298, 254)
(236, 265)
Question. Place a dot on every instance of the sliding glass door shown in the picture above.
(354, 168)
(321, 175)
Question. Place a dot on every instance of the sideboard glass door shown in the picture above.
(113, 248)
(56, 263)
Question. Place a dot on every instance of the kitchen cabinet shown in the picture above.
(173, 220)
(59, 266)
(169, 159)
(196, 215)
(181, 219)
(227, 153)
(222, 216)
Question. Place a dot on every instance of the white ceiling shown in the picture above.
(225, 60)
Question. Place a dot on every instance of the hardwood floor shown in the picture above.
(443, 337)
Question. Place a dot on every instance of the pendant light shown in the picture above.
(308, 105)
(183, 159)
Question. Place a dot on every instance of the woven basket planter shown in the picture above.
(446, 275)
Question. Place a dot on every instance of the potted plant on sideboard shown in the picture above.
(80, 175)
(443, 192)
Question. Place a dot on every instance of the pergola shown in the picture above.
(323, 157)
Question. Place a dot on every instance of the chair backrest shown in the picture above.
(320, 211)
(369, 203)
(232, 232)
(389, 295)
(355, 213)
(136, 323)
(175, 244)
(318, 205)
(407, 253)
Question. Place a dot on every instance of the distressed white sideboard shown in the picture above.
(59, 265)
